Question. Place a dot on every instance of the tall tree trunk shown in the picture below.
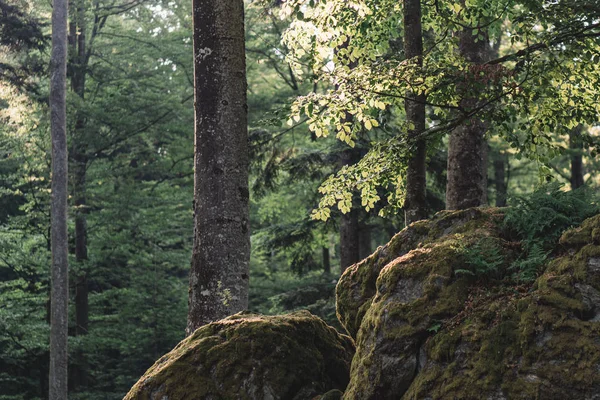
(349, 227)
(221, 253)
(500, 179)
(60, 276)
(416, 185)
(467, 148)
(79, 163)
(576, 146)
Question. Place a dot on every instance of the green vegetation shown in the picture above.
(483, 258)
(468, 340)
(249, 356)
(327, 82)
(539, 219)
(534, 222)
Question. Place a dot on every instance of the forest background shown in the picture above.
(131, 147)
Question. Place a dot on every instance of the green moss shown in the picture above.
(358, 285)
(412, 291)
(587, 233)
(443, 346)
(250, 356)
(536, 348)
(490, 337)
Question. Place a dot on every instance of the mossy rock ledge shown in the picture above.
(424, 331)
(251, 356)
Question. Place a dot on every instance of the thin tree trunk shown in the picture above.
(79, 163)
(80, 370)
(576, 146)
(349, 228)
(81, 306)
(79, 167)
(416, 185)
(349, 240)
(467, 148)
(326, 260)
(60, 277)
(221, 253)
(364, 234)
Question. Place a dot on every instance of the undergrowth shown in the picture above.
(484, 258)
(538, 220)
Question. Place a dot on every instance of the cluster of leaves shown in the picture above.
(545, 77)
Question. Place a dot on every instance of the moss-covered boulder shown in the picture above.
(357, 286)
(251, 356)
(432, 331)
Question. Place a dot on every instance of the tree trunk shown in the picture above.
(349, 240)
(79, 373)
(221, 253)
(326, 260)
(415, 204)
(467, 148)
(364, 234)
(79, 164)
(349, 227)
(81, 306)
(500, 179)
(60, 277)
(576, 146)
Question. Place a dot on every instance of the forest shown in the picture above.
(299, 199)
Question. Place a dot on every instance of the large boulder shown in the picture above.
(434, 330)
(250, 356)
(357, 286)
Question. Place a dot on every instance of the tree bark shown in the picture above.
(467, 148)
(414, 106)
(60, 278)
(576, 146)
(221, 253)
